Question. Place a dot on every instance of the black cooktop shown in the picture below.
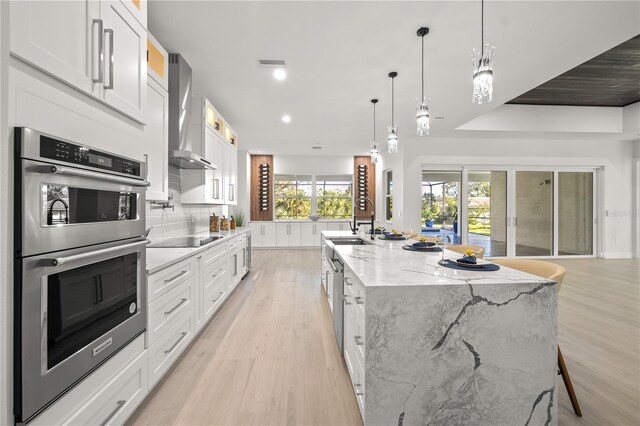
(184, 242)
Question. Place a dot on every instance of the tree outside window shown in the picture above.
(334, 196)
(292, 196)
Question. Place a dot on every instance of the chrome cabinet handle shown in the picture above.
(119, 405)
(345, 297)
(358, 300)
(355, 387)
(110, 85)
(358, 341)
(218, 298)
(57, 261)
(176, 307)
(183, 335)
(216, 274)
(95, 175)
(347, 281)
(100, 78)
(216, 189)
(146, 167)
(176, 277)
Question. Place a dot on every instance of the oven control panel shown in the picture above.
(76, 154)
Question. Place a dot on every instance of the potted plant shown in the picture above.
(239, 217)
(429, 219)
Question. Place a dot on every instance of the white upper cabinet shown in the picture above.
(98, 47)
(125, 60)
(157, 132)
(230, 175)
(138, 8)
(56, 37)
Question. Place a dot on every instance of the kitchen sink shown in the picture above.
(350, 242)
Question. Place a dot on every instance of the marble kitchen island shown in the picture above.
(425, 344)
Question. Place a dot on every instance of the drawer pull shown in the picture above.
(358, 341)
(358, 300)
(219, 296)
(216, 274)
(183, 335)
(345, 297)
(356, 386)
(176, 277)
(119, 405)
(347, 281)
(176, 307)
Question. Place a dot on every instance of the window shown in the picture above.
(334, 196)
(388, 178)
(293, 196)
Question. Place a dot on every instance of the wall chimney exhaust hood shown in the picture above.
(181, 152)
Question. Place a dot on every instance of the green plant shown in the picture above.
(239, 217)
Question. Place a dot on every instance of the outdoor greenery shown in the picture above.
(293, 197)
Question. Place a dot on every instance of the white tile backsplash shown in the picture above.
(183, 219)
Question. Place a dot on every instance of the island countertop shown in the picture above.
(386, 263)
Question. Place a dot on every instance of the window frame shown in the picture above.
(318, 198)
(314, 198)
(388, 195)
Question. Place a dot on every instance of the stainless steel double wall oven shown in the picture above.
(80, 268)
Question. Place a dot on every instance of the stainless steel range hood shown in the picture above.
(181, 152)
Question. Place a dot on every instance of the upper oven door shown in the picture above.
(65, 207)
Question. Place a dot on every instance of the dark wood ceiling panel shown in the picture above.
(609, 79)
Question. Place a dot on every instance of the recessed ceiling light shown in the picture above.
(286, 118)
(316, 147)
(279, 74)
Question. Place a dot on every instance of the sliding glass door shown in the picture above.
(512, 211)
(534, 213)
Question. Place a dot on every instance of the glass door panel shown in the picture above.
(534, 213)
(487, 211)
(575, 213)
(440, 204)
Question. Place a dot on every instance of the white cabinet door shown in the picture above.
(308, 234)
(57, 38)
(138, 8)
(269, 234)
(218, 181)
(157, 141)
(317, 236)
(256, 234)
(125, 73)
(229, 174)
(295, 234)
(282, 234)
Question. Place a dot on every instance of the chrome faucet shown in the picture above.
(354, 227)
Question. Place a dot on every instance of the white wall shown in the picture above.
(6, 277)
(636, 186)
(614, 157)
(312, 165)
(244, 185)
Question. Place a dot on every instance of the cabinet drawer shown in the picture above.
(213, 255)
(359, 336)
(214, 298)
(165, 350)
(214, 273)
(114, 403)
(168, 308)
(359, 385)
(168, 278)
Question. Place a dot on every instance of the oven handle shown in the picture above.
(57, 261)
(96, 175)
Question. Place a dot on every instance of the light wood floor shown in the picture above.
(269, 357)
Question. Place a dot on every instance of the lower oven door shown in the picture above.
(78, 307)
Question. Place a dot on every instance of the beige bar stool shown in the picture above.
(462, 249)
(553, 272)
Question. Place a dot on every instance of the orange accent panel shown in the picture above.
(156, 59)
(136, 3)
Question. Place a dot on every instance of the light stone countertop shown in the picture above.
(386, 263)
(160, 258)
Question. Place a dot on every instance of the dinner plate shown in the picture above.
(480, 263)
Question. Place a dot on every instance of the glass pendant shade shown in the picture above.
(422, 117)
(483, 74)
(375, 154)
(392, 140)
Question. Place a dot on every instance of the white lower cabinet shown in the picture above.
(338, 226)
(354, 335)
(263, 234)
(114, 403)
(311, 233)
(289, 234)
(108, 395)
(163, 312)
(164, 351)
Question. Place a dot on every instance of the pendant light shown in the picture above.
(392, 139)
(422, 107)
(375, 154)
(482, 68)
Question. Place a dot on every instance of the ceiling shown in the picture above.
(609, 79)
(339, 54)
